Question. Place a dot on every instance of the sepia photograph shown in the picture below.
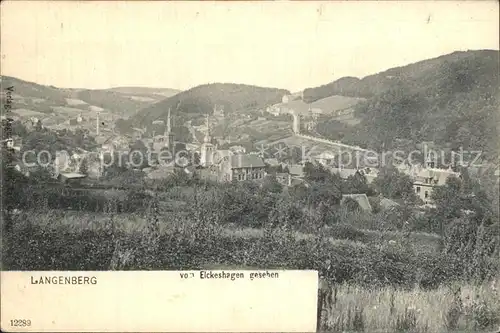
(237, 141)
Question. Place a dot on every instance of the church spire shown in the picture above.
(168, 128)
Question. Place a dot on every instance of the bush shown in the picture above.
(194, 246)
(345, 231)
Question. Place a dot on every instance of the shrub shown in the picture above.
(406, 321)
(482, 315)
(345, 231)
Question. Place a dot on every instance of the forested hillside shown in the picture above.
(452, 100)
(201, 100)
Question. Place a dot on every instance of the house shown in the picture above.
(369, 173)
(71, 178)
(361, 199)
(428, 178)
(325, 158)
(296, 170)
(275, 110)
(240, 167)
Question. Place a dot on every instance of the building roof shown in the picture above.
(237, 148)
(245, 161)
(388, 203)
(315, 110)
(192, 146)
(282, 174)
(297, 181)
(325, 155)
(361, 199)
(72, 175)
(439, 175)
(297, 106)
(272, 161)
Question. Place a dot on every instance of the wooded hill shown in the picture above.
(201, 100)
(452, 100)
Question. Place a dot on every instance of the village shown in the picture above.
(206, 161)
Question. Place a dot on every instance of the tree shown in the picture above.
(285, 213)
(448, 198)
(12, 184)
(84, 166)
(45, 144)
(272, 185)
(324, 194)
(128, 177)
(316, 173)
(19, 129)
(395, 185)
(356, 184)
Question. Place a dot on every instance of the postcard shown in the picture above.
(260, 166)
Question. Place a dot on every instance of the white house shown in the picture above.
(428, 178)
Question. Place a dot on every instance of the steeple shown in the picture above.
(168, 128)
(207, 149)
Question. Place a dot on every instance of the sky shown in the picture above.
(283, 44)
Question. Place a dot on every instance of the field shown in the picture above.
(381, 277)
(25, 113)
(453, 308)
(57, 239)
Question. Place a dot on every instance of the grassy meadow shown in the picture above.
(381, 277)
(383, 295)
(450, 308)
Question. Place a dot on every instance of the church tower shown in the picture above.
(207, 148)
